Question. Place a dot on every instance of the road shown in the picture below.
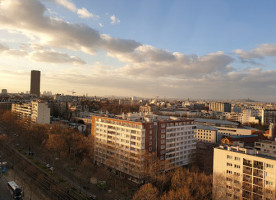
(4, 192)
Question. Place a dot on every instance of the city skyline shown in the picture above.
(214, 50)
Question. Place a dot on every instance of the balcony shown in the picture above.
(246, 194)
(246, 186)
(247, 170)
(258, 190)
(257, 197)
(247, 163)
(258, 181)
(259, 165)
(258, 173)
(247, 179)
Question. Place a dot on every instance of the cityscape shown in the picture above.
(183, 110)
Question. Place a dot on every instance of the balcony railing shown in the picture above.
(249, 164)
(258, 173)
(247, 179)
(258, 190)
(247, 170)
(246, 186)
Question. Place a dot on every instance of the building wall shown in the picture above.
(240, 175)
(173, 141)
(37, 112)
(35, 83)
(206, 135)
(268, 116)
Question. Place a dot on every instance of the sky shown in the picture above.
(198, 49)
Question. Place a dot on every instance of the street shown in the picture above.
(4, 192)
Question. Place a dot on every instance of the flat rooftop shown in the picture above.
(245, 150)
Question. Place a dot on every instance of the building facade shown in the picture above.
(206, 134)
(35, 83)
(243, 173)
(220, 107)
(125, 139)
(35, 111)
(268, 116)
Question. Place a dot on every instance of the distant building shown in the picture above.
(268, 116)
(206, 134)
(35, 111)
(148, 108)
(220, 107)
(243, 173)
(4, 91)
(35, 83)
(266, 147)
(120, 142)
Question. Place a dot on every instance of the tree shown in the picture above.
(146, 192)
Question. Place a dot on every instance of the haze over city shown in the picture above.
(199, 49)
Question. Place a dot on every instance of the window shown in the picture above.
(229, 157)
(163, 131)
(237, 158)
(269, 166)
(229, 164)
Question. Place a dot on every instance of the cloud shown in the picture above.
(100, 24)
(67, 4)
(145, 70)
(38, 53)
(259, 52)
(55, 57)
(6, 51)
(114, 20)
(82, 13)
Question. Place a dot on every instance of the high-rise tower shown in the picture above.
(35, 83)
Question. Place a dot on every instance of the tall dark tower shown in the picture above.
(35, 83)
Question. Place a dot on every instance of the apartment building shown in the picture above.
(268, 116)
(220, 107)
(224, 128)
(121, 141)
(266, 147)
(35, 111)
(243, 173)
(206, 134)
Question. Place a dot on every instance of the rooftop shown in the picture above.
(245, 150)
(216, 121)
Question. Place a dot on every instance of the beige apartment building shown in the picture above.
(243, 173)
(35, 111)
(207, 134)
(121, 141)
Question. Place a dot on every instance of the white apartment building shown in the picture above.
(35, 111)
(121, 141)
(243, 173)
(249, 116)
(266, 147)
(206, 134)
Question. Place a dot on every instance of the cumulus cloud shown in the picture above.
(67, 4)
(146, 70)
(55, 57)
(82, 13)
(38, 53)
(114, 20)
(259, 52)
(4, 50)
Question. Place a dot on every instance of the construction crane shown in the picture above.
(72, 91)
